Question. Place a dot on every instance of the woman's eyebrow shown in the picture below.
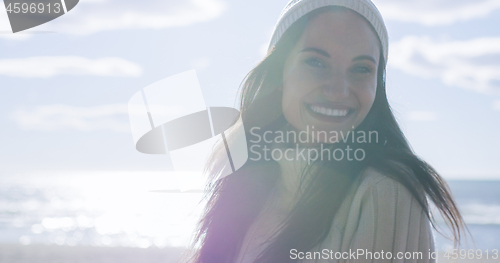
(324, 53)
(316, 50)
(365, 57)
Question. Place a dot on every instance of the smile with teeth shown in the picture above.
(328, 111)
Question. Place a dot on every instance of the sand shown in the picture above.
(83, 254)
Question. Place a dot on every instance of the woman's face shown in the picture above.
(330, 77)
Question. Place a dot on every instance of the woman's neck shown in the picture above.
(289, 187)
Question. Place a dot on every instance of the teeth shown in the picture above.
(329, 112)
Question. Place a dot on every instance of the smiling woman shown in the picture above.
(330, 77)
(325, 71)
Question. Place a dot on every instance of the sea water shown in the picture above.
(143, 209)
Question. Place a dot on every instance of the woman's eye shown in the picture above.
(362, 70)
(314, 63)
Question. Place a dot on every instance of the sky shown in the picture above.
(66, 84)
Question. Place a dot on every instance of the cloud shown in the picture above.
(45, 67)
(432, 12)
(470, 64)
(496, 105)
(4, 22)
(113, 117)
(90, 17)
(263, 49)
(201, 63)
(5, 34)
(56, 117)
(422, 116)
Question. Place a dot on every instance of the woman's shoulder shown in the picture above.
(374, 184)
(372, 194)
(372, 177)
(378, 198)
(380, 214)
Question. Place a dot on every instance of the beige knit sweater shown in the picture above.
(378, 215)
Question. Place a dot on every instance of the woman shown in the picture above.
(325, 73)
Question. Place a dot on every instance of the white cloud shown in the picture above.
(470, 64)
(496, 105)
(432, 12)
(4, 20)
(5, 34)
(45, 67)
(97, 16)
(263, 49)
(201, 63)
(111, 117)
(422, 116)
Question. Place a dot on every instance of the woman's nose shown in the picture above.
(336, 87)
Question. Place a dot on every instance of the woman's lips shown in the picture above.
(329, 113)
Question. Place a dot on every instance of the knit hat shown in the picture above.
(295, 9)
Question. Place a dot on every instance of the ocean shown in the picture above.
(144, 209)
(479, 203)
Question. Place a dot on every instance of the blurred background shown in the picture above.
(74, 189)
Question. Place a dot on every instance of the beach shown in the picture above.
(116, 218)
(88, 254)
(11, 253)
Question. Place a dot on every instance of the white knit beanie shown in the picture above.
(295, 9)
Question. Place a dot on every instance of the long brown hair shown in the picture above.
(234, 202)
